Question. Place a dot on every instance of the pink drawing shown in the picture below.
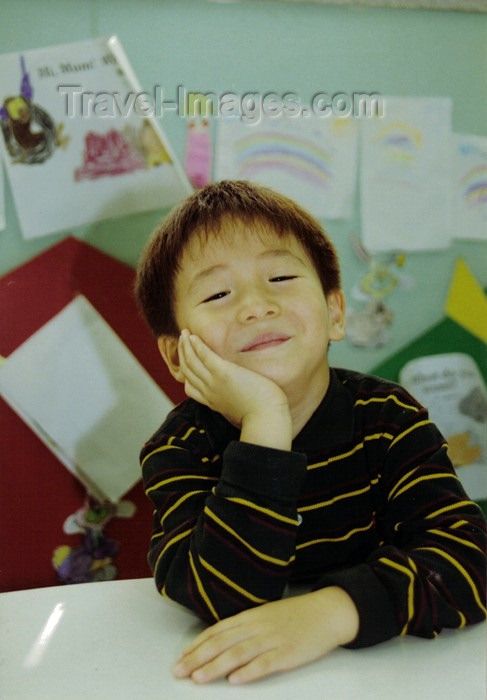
(198, 153)
(107, 155)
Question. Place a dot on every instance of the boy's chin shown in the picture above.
(279, 377)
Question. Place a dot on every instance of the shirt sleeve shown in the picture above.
(430, 570)
(224, 525)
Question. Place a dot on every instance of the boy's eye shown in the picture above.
(213, 297)
(282, 278)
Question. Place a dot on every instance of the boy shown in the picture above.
(279, 469)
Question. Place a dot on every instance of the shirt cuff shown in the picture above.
(264, 471)
(378, 621)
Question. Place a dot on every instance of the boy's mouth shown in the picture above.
(266, 340)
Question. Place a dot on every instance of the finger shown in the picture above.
(192, 368)
(208, 358)
(206, 650)
(260, 666)
(225, 663)
(193, 393)
(192, 358)
(219, 627)
(192, 384)
(197, 379)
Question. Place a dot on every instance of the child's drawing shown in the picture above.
(147, 143)
(369, 327)
(470, 186)
(121, 152)
(118, 161)
(107, 155)
(292, 154)
(405, 182)
(475, 186)
(452, 387)
(311, 160)
(199, 152)
(30, 133)
(400, 145)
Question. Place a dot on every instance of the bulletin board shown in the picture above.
(275, 47)
(445, 334)
(279, 47)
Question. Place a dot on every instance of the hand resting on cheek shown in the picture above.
(248, 400)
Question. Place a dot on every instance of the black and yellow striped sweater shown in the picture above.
(367, 500)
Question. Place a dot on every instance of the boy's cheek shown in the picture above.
(206, 333)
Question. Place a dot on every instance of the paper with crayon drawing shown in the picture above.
(405, 175)
(470, 186)
(311, 160)
(79, 146)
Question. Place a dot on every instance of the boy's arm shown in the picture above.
(282, 634)
(225, 525)
(220, 544)
(429, 571)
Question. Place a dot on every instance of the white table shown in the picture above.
(120, 639)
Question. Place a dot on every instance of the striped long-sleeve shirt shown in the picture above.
(366, 500)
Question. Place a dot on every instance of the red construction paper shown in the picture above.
(37, 493)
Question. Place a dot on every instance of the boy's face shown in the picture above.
(256, 299)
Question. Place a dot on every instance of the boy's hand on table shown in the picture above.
(250, 401)
(276, 636)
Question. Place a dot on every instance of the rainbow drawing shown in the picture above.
(401, 143)
(474, 184)
(277, 150)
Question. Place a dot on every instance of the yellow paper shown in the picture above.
(466, 302)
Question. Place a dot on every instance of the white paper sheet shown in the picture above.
(311, 160)
(86, 153)
(87, 397)
(470, 186)
(405, 175)
(452, 388)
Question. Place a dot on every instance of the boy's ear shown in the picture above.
(336, 313)
(168, 347)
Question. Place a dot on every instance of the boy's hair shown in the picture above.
(206, 212)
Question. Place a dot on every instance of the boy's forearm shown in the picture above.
(200, 497)
(268, 428)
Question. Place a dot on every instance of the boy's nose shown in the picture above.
(256, 306)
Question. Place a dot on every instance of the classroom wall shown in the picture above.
(279, 47)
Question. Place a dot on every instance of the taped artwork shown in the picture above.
(470, 186)
(311, 160)
(405, 176)
(72, 128)
(199, 152)
(30, 133)
(452, 388)
(369, 325)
